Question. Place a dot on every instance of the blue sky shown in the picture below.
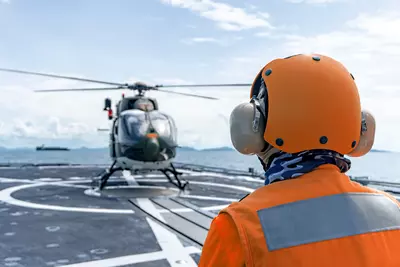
(147, 37)
(171, 41)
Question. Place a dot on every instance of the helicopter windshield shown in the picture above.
(135, 125)
(162, 124)
(144, 104)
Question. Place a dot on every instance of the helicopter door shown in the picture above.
(113, 133)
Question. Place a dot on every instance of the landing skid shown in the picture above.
(107, 174)
(181, 184)
(178, 183)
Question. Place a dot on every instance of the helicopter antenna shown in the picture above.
(103, 129)
(138, 86)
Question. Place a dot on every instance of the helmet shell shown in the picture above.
(313, 103)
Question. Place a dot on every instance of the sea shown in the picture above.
(376, 165)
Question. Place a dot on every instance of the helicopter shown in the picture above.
(141, 138)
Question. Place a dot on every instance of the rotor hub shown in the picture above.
(139, 86)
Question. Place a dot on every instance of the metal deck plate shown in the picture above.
(47, 219)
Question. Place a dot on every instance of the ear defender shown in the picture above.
(367, 136)
(247, 129)
(247, 121)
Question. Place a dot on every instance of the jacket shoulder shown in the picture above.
(222, 246)
(377, 191)
(365, 188)
(244, 197)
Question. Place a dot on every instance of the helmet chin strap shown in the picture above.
(266, 154)
(364, 127)
(259, 110)
(257, 113)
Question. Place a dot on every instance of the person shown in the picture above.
(144, 104)
(304, 116)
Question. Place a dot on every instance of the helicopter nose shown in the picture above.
(152, 146)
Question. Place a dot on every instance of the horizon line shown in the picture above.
(179, 147)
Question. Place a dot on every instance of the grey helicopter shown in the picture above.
(141, 138)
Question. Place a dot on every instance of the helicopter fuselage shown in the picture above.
(143, 139)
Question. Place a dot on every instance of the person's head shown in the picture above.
(301, 103)
(144, 104)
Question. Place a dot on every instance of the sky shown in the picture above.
(182, 41)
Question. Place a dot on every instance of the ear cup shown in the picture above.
(367, 136)
(246, 132)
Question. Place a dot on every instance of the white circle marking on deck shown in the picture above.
(6, 196)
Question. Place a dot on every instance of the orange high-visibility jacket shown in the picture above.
(320, 219)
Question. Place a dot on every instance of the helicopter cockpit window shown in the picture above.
(165, 127)
(161, 124)
(144, 104)
(135, 125)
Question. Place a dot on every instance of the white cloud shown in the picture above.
(26, 116)
(264, 15)
(278, 32)
(263, 34)
(226, 41)
(201, 40)
(227, 17)
(48, 128)
(251, 6)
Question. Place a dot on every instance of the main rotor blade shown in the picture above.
(80, 89)
(186, 94)
(204, 85)
(60, 76)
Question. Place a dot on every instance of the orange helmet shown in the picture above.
(301, 103)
